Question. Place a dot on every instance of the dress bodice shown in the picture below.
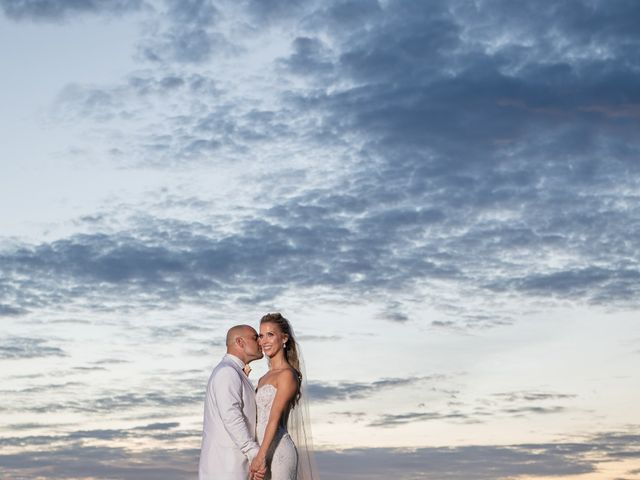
(264, 400)
(282, 456)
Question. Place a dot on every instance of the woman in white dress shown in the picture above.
(277, 395)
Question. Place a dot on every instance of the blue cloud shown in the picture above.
(47, 10)
(25, 347)
(323, 392)
(486, 462)
(502, 169)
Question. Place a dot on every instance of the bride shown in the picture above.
(280, 404)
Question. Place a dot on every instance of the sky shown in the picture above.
(441, 196)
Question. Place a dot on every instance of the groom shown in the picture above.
(228, 437)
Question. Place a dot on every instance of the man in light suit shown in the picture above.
(228, 438)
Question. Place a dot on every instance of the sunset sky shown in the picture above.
(443, 197)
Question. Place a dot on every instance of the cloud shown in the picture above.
(204, 120)
(45, 388)
(54, 10)
(452, 415)
(393, 420)
(521, 411)
(110, 401)
(481, 410)
(468, 145)
(33, 426)
(157, 431)
(445, 155)
(421, 86)
(393, 312)
(526, 403)
(189, 34)
(81, 461)
(91, 397)
(196, 32)
(74, 459)
(578, 282)
(12, 348)
(165, 261)
(160, 426)
(271, 12)
(9, 311)
(111, 361)
(489, 462)
(532, 396)
(311, 57)
(323, 392)
(172, 332)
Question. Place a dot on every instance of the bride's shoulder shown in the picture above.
(287, 375)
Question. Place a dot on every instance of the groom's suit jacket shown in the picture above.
(228, 438)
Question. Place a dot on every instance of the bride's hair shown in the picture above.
(291, 347)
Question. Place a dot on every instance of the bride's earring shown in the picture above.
(284, 345)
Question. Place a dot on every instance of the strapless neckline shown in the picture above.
(265, 386)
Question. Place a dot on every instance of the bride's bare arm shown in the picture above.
(286, 387)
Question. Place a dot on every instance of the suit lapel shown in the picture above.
(244, 378)
(248, 383)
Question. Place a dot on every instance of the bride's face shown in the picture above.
(271, 338)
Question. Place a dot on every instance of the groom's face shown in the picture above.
(251, 346)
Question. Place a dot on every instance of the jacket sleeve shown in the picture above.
(227, 392)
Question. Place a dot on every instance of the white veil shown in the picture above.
(299, 426)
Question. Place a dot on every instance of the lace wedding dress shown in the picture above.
(282, 457)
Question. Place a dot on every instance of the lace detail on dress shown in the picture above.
(282, 457)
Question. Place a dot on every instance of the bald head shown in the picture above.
(237, 332)
(242, 341)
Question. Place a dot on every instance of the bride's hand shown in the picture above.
(258, 468)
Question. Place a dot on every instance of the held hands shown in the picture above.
(258, 468)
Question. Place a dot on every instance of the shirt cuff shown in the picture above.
(252, 452)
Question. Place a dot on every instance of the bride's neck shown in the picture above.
(278, 363)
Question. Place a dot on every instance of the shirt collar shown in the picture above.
(235, 360)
